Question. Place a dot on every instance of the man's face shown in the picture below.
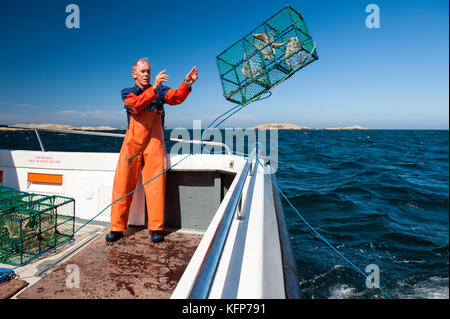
(142, 74)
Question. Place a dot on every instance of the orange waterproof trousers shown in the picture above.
(143, 148)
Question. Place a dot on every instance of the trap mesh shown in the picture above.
(31, 224)
(7, 192)
(268, 55)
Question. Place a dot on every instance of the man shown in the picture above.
(143, 147)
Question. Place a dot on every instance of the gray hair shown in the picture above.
(141, 60)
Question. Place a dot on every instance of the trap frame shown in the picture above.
(268, 55)
(31, 224)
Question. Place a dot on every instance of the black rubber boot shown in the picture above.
(113, 236)
(157, 236)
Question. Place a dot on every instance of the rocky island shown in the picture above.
(280, 126)
(287, 126)
(354, 127)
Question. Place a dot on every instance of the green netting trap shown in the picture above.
(268, 55)
(8, 192)
(31, 224)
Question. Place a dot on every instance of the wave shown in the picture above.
(340, 282)
(408, 241)
(352, 164)
(431, 288)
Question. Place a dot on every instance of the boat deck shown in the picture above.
(132, 267)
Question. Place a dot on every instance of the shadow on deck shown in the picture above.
(132, 267)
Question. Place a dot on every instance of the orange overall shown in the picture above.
(143, 148)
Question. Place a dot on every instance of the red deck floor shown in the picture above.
(132, 267)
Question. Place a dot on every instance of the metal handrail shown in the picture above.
(39, 140)
(210, 263)
(36, 129)
(64, 131)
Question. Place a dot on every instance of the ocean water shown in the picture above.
(381, 197)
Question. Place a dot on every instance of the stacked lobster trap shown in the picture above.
(268, 55)
(31, 224)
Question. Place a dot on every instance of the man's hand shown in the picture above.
(160, 78)
(191, 77)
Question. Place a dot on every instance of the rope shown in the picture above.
(316, 232)
(6, 274)
(237, 109)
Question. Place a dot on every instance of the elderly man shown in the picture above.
(143, 147)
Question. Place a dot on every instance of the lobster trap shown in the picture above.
(8, 192)
(31, 224)
(268, 55)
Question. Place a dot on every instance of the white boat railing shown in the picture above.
(205, 276)
(41, 144)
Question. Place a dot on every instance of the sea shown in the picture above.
(379, 197)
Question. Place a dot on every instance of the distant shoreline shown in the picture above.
(354, 127)
(280, 126)
(57, 127)
(287, 126)
(269, 126)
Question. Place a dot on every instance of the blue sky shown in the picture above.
(392, 77)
